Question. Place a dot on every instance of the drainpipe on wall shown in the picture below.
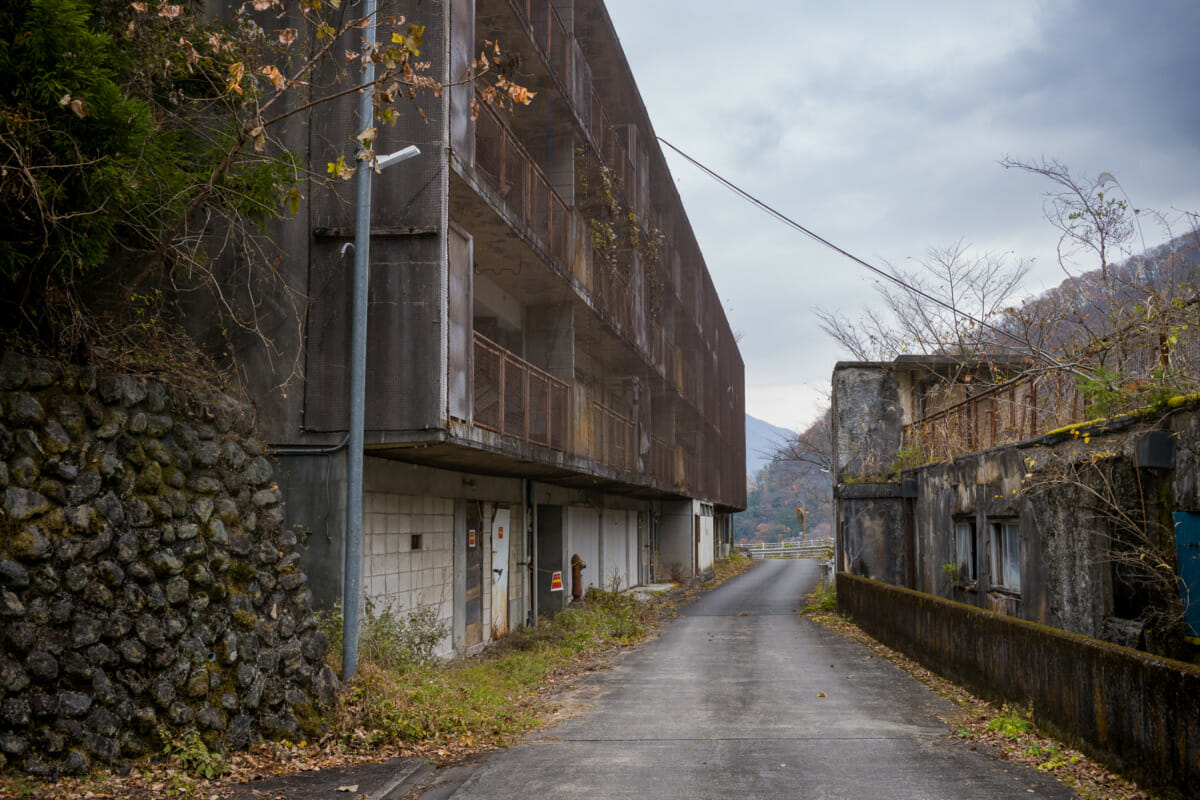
(531, 575)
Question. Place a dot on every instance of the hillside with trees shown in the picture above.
(797, 476)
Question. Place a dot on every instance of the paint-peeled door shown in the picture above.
(501, 534)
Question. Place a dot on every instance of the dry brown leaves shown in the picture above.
(972, 716)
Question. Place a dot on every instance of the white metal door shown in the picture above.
(501, 533)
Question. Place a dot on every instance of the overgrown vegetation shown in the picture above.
(387, 636)
(398, 698)
(798, 476)
(192, 755)
(823, 599)
(143, 155)
(1130, 512)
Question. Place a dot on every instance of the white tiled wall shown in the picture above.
(393, 573)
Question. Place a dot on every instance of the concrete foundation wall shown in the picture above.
(314, 494)
(705, 551)
(616, 545)
(872, 531)
(1135, 711)
(676, 530)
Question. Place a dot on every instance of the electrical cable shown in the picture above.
(779, 215)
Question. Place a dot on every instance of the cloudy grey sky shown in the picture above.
(879, 125)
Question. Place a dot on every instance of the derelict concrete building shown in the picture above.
(550, 371)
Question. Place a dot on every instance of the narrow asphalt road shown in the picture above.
(728, 704)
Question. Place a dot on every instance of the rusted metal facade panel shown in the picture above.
(406, 331)
(407, 295)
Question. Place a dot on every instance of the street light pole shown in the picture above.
(352, 579)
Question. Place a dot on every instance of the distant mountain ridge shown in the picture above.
(762, 440)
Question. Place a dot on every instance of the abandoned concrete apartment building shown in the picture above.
(550, 371)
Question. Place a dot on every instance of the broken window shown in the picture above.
(964, 545)
(1006, 555)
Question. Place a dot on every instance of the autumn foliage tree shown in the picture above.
(134, 135)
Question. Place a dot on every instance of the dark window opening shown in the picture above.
(964, 550)
(1006, 555)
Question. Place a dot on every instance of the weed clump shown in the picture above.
(403, 695)
(823, 599)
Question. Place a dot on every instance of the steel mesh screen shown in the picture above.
(513, 380)
(487, 386)
(539, 409)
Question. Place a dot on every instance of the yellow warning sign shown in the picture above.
(556, 582)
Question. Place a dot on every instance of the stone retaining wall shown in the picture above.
(148, 584)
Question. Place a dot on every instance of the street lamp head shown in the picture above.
(398, 156)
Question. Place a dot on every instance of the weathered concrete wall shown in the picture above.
(1071, 523)
(868, 420)
(1063, 565)
(676, 542)
(146, 576)
(872, 531)
(1135, 711)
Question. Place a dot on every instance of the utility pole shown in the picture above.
(352, 579)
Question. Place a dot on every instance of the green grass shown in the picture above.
(1011, 723)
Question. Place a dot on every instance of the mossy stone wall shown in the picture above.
(147, 580)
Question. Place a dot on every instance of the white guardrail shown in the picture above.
(817, 548)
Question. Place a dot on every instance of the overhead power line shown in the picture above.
(908, 287)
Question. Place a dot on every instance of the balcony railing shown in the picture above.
(1002, 414)
(551, 35)
(517, 399)
(509, 170)
(613, 441)
(662, 461)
